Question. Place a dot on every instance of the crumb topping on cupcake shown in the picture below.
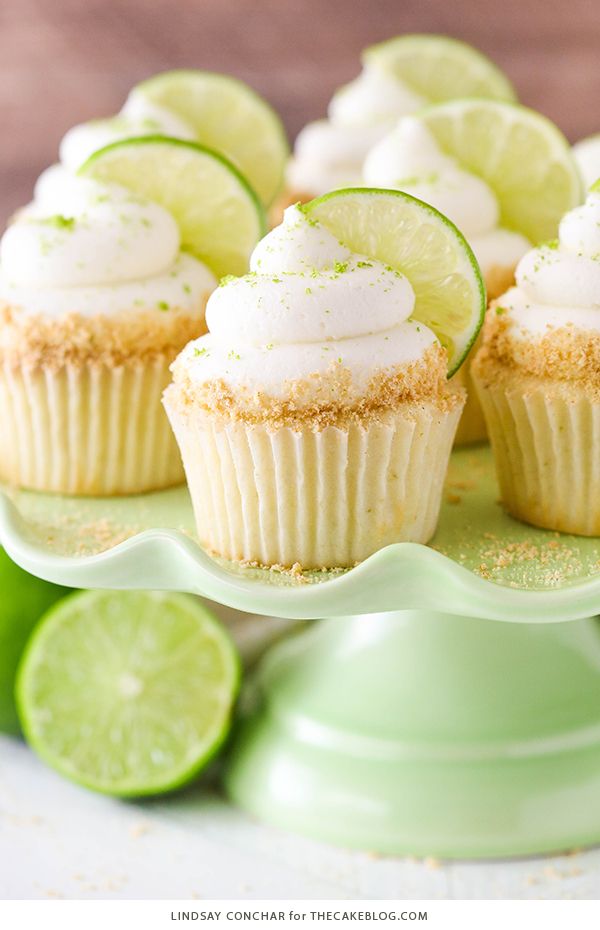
(313, 333)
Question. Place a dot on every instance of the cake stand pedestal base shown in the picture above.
(427, 734)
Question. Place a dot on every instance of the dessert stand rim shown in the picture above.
(399, 577)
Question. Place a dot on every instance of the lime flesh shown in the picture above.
(523, 157)
(219, 215)
(424, 245)
(440, 68)
(128, 693)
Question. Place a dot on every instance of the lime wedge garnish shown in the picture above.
(228, 117)
(128, 693)
(219, 215)
(424, 245)
(439, 68)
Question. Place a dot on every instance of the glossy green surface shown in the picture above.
(427, 734)
(421, 726)
(481, 562)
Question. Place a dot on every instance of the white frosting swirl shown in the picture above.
(329, 154)
(587, 156)
(91, 248)
(138, 118)
(307, 304)
(410, 159)
(559, 284)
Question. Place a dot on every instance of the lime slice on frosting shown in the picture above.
(219, 215)
(128, 693)
(523, 157)
(228, 117)
(439, 68)
(417, 240)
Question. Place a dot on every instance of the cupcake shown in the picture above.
(538, 377)
(503, 174)
(398, 77)
(96, 300)
(315, 419)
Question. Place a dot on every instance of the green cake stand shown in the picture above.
(448, 705)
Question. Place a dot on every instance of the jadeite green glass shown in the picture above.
(411, 721)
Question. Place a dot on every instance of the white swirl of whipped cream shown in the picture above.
(329, 153)
(139, 117)
(559, 284)
(92, 248)
(587, 156)
(410, 159)
(308, 304)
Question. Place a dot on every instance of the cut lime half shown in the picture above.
(218, 213)
(228, 117)
(424, 245)
(440, 68)
(128, 693)
(523, 157)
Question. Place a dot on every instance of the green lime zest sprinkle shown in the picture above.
(550, 244)
(227, 279)
(340, 267)
(162, 305)
(269, 346)
(234, 355)
(364, 264)
(500, 311)
(58, 221)
(308, 290)
(200, 352)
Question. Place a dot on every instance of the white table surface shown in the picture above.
(60, 841)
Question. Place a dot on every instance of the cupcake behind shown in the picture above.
(538, 378)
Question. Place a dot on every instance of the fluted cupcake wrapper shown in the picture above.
(320, 498)
(87, 429)
(471, 427)
(546, 444)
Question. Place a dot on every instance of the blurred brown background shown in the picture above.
(64, 61)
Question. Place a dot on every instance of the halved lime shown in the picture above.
(219, 215)
(128, 693)
(440, 68)
(417, 240)
(229, 117)
(524, 158)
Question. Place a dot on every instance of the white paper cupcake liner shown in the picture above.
(546, 444)
(87, 429)
(323, 498)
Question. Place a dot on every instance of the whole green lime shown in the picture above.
(23, 600)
